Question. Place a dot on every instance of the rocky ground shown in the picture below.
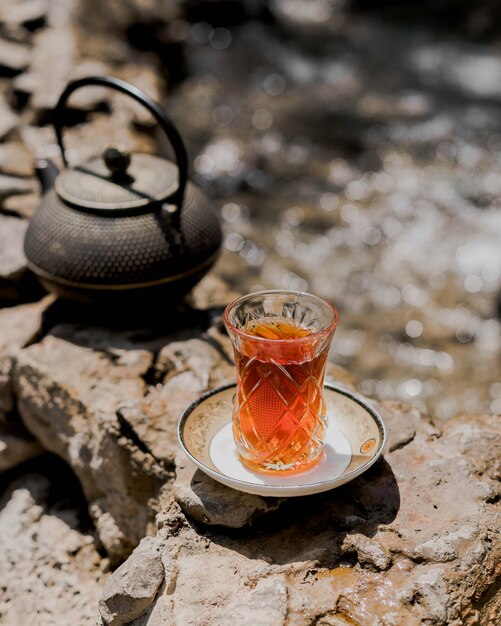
(413, 541)
(50, 570)
(101, 518)
(397, 547)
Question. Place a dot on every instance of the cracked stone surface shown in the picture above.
(415, 541)
(50, 570)
(209, 502)
(19, 326)
(12, 259)
(395, 547)
(8, 119)
(14, 57)
(16, 282)
(69, 387)
(108, 403)
(16, 445)
(15, 159)
(134, 585)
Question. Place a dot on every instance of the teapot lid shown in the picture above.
(118, 181)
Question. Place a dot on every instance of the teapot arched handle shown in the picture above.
(153, 107)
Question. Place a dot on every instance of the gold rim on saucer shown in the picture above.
(355, 439)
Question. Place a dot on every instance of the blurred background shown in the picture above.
(352, 148)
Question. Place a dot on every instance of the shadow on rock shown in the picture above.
(63, 495)
(157, 317)
(316, 528)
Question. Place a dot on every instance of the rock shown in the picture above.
(54, 64)
(50, 571)
(69, 387)
(105, 403)
(395, 546)
(266, 605)
(23, 11)
(102, 401)
(15, 159)
(56, 61)
(14, 57)
(184, 370)
(133, 586)
(119, 14)
(16, 446)
(442, 548)
(212, 503)
(8, 119)
(212, 292)
(14, 185)
(230, 596)
(12, 259)
(53, 55)
(19, 326)
(431, 589)
(22, 205)
(369, 553)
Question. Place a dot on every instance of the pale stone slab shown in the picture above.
(134, 585)
(16, 446)
(395, 547)
(50, 571)
(212, 503)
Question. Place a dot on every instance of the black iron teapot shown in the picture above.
(124, 226)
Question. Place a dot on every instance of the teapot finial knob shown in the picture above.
(117, 160)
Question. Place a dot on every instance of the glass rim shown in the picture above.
(314, 335)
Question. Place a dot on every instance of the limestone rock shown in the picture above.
(14, 57)
(13, 186)
(19, 325)
(402, 422)
(16, 446)
(69, 387)
(8, 119)
(120, 13)
(23, 11)
(396, 546)
(15, 280)
(23, 205)
(212, 503)
(15, 159)
(54, 63)
(265, 605)
(102, 401)
(133, 586)
(50, 571)
(108, 403)
(53, 54)
(442, 548)
(212, 292)
(185, 370)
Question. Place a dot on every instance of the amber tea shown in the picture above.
(279, 417)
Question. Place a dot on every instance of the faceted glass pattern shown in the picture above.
(281, 340)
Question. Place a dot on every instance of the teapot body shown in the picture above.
(124, 227)
(88, 257)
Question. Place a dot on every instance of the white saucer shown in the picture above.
(355, 440)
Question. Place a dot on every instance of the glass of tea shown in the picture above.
(281, 340)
